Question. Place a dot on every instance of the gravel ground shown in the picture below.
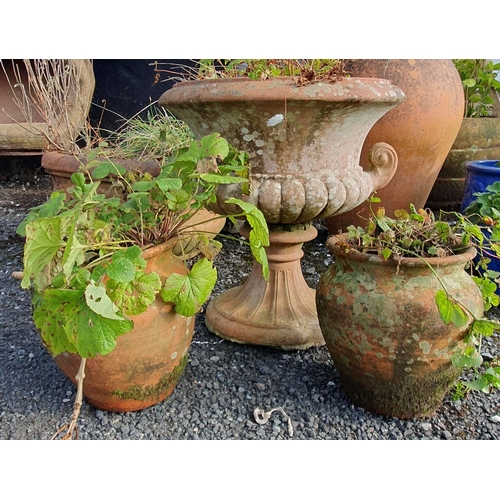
(223, 383)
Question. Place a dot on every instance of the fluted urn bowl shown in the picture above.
(304, 143)
(306, 165)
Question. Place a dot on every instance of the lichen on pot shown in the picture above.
(399, 313)
(384, 332)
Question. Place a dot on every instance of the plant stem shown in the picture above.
(71, 428)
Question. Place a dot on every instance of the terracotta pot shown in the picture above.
(383, 330)
(147, 362)
(19, 137)
(478, 139)
(421, 130)
(303, 168)
(61, 167)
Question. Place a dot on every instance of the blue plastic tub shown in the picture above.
(480, 174)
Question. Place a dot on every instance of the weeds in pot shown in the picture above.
(154, 138)
(304, 71)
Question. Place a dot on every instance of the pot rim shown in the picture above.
(150, 252)
(277, 88)
(66, 164)
(334, 245)
(488, 166)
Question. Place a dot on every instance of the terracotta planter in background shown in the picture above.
(383, 330)
(478, 139)
(148, 361)
(421, 130)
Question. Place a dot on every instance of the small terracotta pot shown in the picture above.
(62, 166)
(148, 361)
(383, 330)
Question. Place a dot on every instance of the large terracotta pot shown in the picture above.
(421, 130)
(19, 137)
(477, 139)
(61, 167)
(304, 167)
(383, 330)
(147, 362)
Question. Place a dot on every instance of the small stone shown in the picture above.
(487, 356)
(495, 418)
(215, 358)
(265, 370)
(447, 434)
(426, 426)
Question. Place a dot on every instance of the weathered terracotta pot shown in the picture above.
(61, 167)
(304, 167)
(477, 139)
(383, 330)
(421, 130)
(148, 361)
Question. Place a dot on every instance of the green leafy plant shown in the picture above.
(82, 255)
(485, 212)
(303, 70)
(418, 233)
(480, 86)
(486, 206)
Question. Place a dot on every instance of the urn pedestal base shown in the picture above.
(277, 313)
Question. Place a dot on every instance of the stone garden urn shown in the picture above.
(304, 144)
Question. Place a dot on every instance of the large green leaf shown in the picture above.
(97, 335)
(134, 297)
(74, 252)
(43, 241)
(49, 209)
(53, 313)
(259, 234)
(99, 302)
(470, 359)
(105, 168)
(484, 327)
(190, 292)
(167, 185)
(121, 270)
(221, 179)
(210, 145)
(449, 310)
